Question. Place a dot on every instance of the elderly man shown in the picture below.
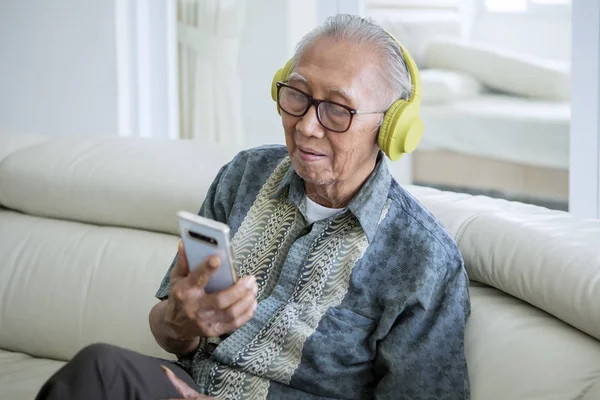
(349, 288)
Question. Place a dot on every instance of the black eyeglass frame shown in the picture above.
(316, 102)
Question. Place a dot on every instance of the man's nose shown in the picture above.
(309, 124)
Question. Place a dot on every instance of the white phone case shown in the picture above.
(203, 237)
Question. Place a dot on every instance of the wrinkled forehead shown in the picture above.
(333, 66)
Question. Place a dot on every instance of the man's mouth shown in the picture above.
(309, 154)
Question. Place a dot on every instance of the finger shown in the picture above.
(228, 297)
(238, 309)
(182, 387)
(239, 321)
(200, 276)
(181, 268)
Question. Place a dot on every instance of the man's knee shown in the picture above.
(99, 351)
(99, 356)
(93, 365)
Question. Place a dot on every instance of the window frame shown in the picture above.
(535, 8)
(584, 168)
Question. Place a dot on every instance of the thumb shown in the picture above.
(182, 387)
(181, 268)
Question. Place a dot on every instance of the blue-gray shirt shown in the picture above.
(369, 303)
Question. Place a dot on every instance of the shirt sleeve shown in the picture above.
(211, 208)
(422, 356)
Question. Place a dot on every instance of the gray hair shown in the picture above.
(363, 32)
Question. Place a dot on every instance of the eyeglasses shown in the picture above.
(333, 116)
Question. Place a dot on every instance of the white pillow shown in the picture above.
(440, 86)
(501, 70)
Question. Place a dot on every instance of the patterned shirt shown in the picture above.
(371, 302)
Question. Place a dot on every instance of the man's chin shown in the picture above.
(311, 177)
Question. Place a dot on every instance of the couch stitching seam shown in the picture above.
(466, 224)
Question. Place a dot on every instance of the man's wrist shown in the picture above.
(179, 346)
(171, 339)
(184, 349)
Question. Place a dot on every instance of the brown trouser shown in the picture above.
(102, 371)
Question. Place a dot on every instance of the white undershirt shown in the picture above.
(317, 212)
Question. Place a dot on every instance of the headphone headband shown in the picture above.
(413, 71)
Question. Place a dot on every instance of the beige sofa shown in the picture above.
(88, 228)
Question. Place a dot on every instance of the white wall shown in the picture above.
(271, 31)
(548, 37)
(58, 67)
(264, 49)
(64, 72)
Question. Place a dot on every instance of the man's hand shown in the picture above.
(182, 387)
(191, 312)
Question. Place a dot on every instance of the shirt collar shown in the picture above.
(295, 184)
(366, 205)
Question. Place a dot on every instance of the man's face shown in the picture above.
(342, 73)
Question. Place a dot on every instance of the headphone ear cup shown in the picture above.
(401, 129)
(387, 130)
(282, 74)
(276, 79)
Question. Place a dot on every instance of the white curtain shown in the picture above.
(209, 85)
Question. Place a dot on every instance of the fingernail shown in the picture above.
(180, 245)
(214, 262)
(165, 369)
(254, 305)
(255, 289)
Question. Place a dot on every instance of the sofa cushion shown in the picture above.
(593, 392)
(442, 86)
(22, 376)
(502, 70)
(129, 182)
(455, 210)
(516, 351)
(499, 127)
(549, 259)
(64, 285)
(10, 143)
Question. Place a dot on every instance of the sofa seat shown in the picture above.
(21, 375)
(560, 363)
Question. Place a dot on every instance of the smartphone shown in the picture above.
(203, 237)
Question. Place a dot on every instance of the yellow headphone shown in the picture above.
(402, 128)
